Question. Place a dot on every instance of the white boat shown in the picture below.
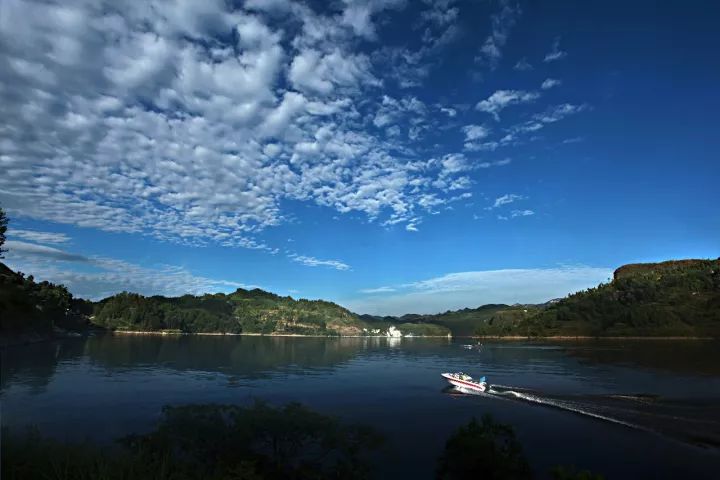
(466, 382)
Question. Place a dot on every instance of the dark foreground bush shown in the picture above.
(485, 449)
(205, 442)
(488, 450)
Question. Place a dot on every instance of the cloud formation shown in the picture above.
(502, 99)
(549, 83)
(315, 262)
(193, 122)
(96, 277)
(555, 53)
(501, 23)
(40, 237)
(505, 199)
(476, 288)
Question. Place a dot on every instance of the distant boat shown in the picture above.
(466, 382)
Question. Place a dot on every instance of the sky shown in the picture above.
(392, 156)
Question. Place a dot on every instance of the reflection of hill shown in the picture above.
(682, 357)
(35, 364)
(246, 356)
(249, 357)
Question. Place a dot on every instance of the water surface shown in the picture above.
(647, 409)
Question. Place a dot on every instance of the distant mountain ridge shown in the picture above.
(673, 298)
(29, 307)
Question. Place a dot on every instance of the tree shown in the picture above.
(483, 449)
(3, 229)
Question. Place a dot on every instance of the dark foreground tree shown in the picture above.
(486, 450)
(3, 229)
(207, 442)
(571, 473)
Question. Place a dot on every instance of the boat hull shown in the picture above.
(465, 384)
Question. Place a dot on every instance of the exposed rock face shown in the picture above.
(637, 268)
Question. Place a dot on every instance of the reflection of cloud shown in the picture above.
(472, 289)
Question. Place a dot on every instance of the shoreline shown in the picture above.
(220, 334)
(482, 337)
(585, 337)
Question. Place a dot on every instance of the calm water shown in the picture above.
(643, 409)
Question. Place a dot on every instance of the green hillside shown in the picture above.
(674, 298)
(243, 311)
(27, 306)
(463, 322)
(41, 308)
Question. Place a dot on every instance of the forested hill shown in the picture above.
(243, 311)
(27, 306)
(462, 322)
(674, 298)
(30, 307)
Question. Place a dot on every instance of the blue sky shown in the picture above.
(391, 156)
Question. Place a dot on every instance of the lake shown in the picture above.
(643, 409)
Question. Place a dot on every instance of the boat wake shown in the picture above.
(694, 421)
(568, 405)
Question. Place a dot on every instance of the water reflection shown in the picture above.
(690, 357)
(34, 365)
(236, 356)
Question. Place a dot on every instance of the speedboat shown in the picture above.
(466, 382)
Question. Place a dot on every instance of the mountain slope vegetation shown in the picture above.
(29, 307)
(243, 311)
(673, 298)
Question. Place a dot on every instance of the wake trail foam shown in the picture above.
(555, 403)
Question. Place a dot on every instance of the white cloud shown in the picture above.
(38, 236)
(501, 99)
(440, 13)
(555, 53)
(194, 122)
(475, 132)
(198, 122)
(475, 288)
(96, 277)
(495, 163)
(450, 112)
(550, 83)
(505, 199)
(313, 72)
(378, 290)
(523, 65)
(20, 249)
(315, 262)
(502, 22)
(540, 120)
(521, 213)
(410, 227)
